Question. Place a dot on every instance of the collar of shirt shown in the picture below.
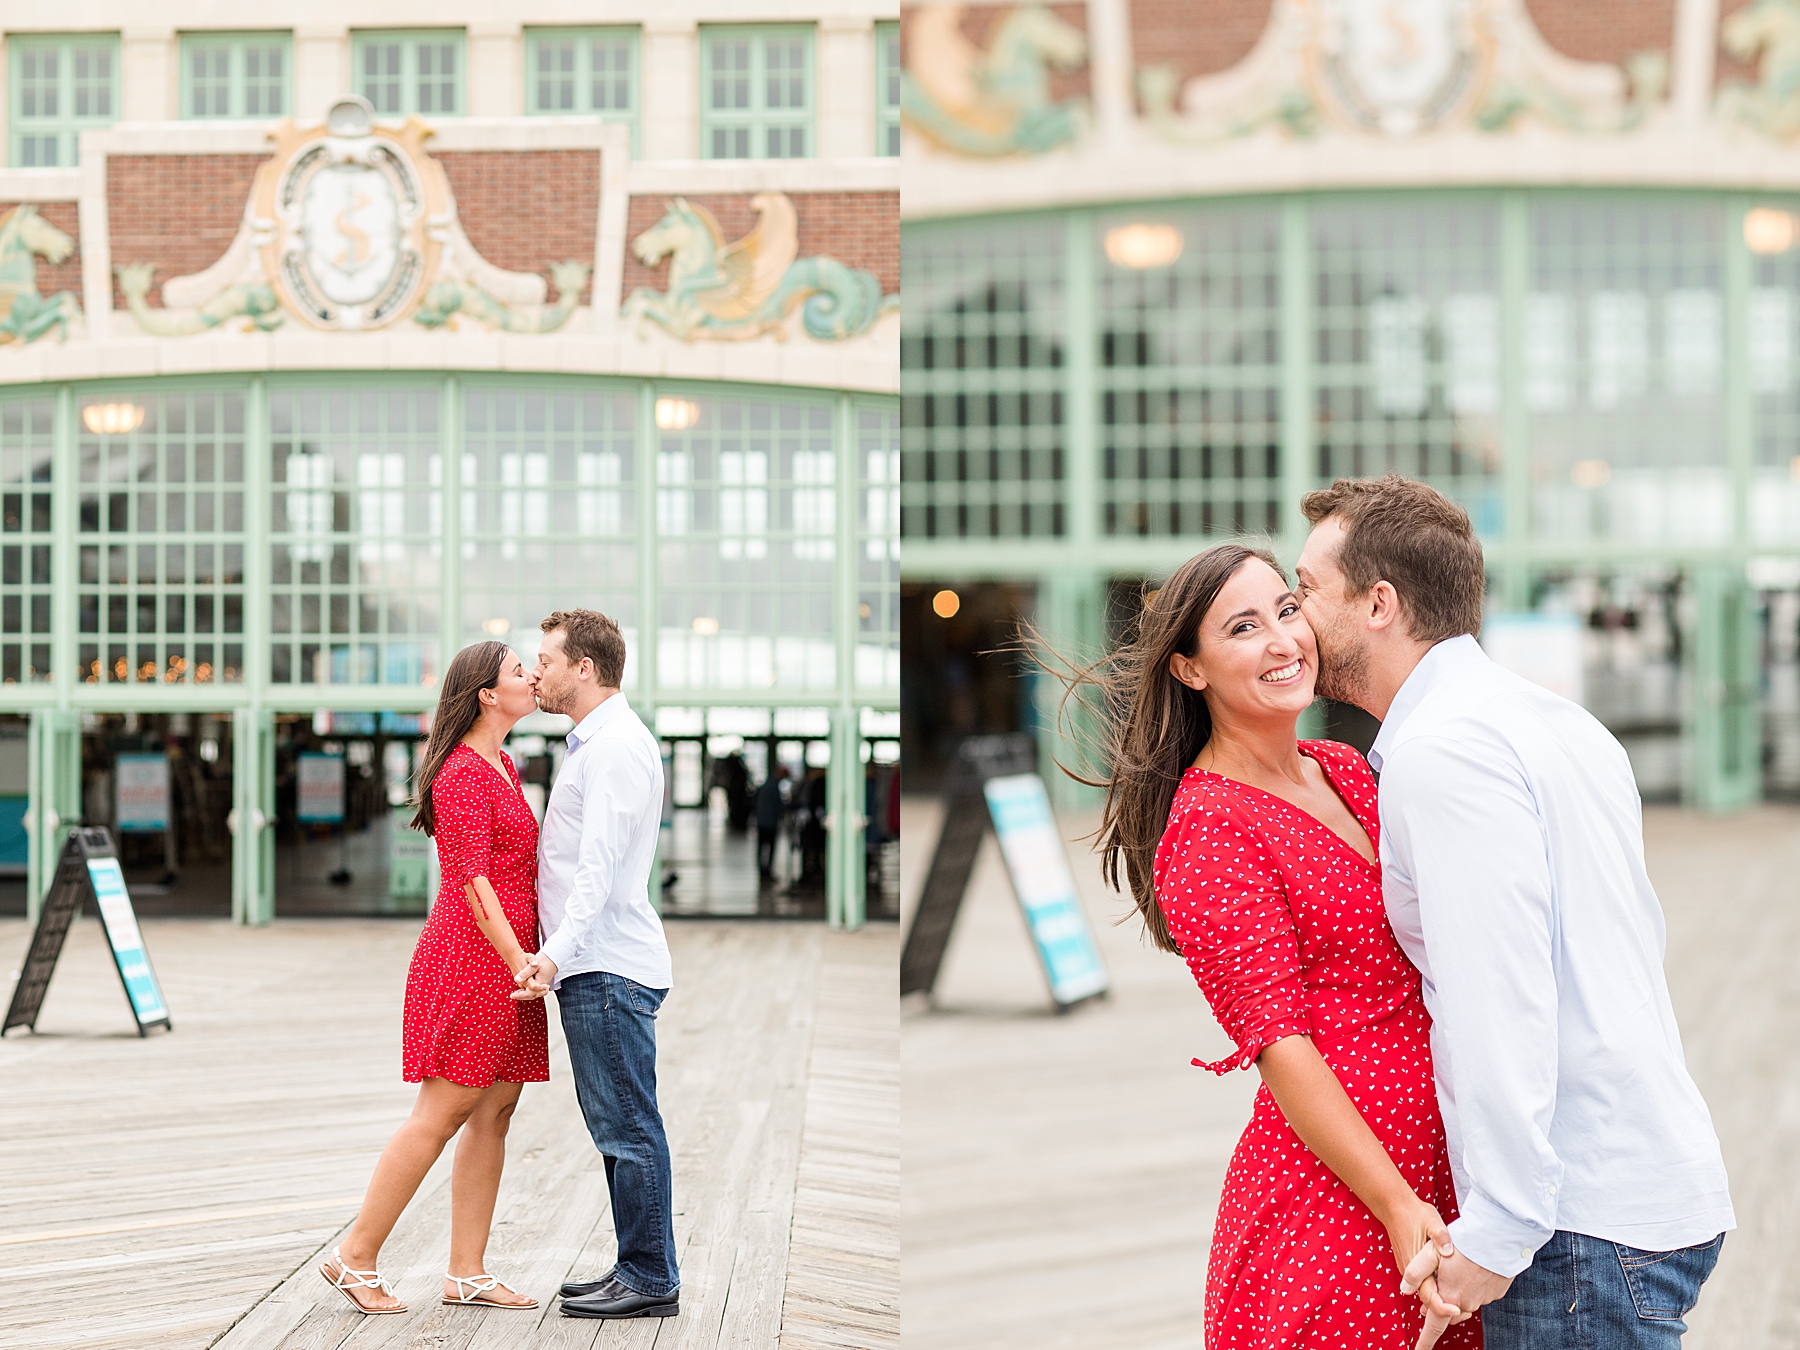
(590, 726)
(1437, 665)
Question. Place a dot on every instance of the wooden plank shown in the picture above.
(1062, 1172)
(279, 1088)
(843, 1277)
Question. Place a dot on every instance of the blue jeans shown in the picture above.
(1585, 1293)
(610, 1023)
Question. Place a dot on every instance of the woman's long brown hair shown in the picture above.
(1150, 725)
(473, 669)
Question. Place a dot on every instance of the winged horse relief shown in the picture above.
(25, 316)
(744, 289)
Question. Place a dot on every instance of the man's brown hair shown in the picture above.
(1415, 539)
(589, 633)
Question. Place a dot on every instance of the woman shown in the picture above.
(1251, 854)
(468, 1043)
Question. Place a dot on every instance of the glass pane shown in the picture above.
(265, 81)
(1408, 347)
(356, 543)
(982, 334)
(746, 504)
(161, 534)
(1624, 375)
(549, 519)
(1190, 372)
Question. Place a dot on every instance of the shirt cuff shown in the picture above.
(1494, 1239)
(560, 948)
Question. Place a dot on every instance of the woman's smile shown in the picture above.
(1285, 674)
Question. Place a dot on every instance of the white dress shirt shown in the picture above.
(1512, 857)
(596, 850)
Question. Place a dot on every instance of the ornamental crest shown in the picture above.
(1399, 66)
(1403, 68)
(352, 226)
(347, 204)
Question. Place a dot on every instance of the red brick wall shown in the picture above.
(522, 210)
(180, 212)
(1197, 37)
(1605, 30)
(979, 20)
(861, 229)
(66, 275)
(527, 209)
(1728, 69)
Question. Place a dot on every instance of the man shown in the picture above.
(1593, 1199)
(770, 807)
(604, 952)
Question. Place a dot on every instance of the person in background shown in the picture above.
(468, 1044)
(771, 805)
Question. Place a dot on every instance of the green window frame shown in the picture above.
(160, 536)
(356, 534)
(236, 75)
(757, 92)
(61, 86)
(406, 71)
(887, 89)
(549, 506)
(572, 72)
(27, 538)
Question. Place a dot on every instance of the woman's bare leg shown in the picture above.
(439, 1112)
(475, 1182)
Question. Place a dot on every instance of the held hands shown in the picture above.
(534, 978)
(1461, 1284)
(1420, 1242)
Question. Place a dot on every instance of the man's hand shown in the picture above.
(534, 978)
(1467, 1285)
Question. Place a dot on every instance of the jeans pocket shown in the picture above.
(644, 999)
(1665, 1286)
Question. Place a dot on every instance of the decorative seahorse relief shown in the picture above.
(25, 316)
(734, 291)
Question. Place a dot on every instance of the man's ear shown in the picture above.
(1184, 669)
(1384, 607)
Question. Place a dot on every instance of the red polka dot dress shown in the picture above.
(461, 1020)
(1281, 922)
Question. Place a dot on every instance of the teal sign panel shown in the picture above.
(1041, 878)
(120, 922)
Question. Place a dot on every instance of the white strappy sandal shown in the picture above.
(347, 1279)
(480, 1287)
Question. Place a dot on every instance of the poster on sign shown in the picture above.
(141, 794)
(321, 789)
(1041, 878)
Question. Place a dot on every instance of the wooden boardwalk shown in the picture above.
(179, 1191)
(1062, 1172)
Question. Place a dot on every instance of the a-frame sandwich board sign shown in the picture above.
(88, 867)
(992, 783)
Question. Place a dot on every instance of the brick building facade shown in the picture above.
(317, 355)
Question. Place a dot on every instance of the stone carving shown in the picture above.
(255, 301)
(350, 226)
(740, 290)
(1400, 68)
(1771, 29)
(993, 102)
(25, 316)
(448, 298)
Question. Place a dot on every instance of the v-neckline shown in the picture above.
(507, 778)
(1373, 864)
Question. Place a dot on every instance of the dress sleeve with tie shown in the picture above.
(1226, 907)
(462, 804)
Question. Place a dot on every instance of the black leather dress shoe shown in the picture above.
(616, 1301)
(582, 1288)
